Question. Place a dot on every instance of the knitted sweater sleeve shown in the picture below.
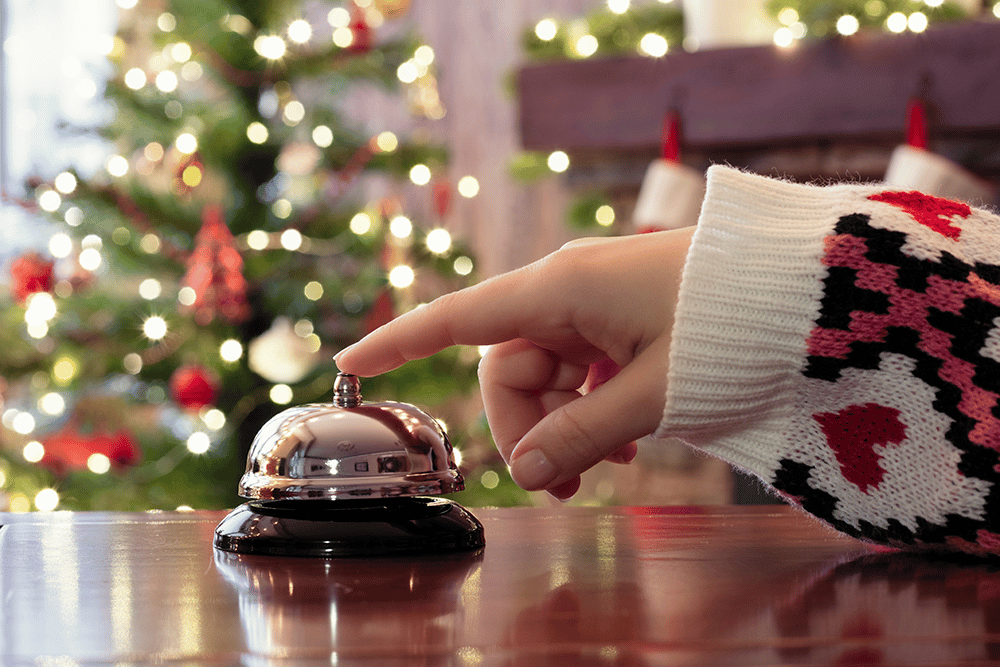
(842, 343)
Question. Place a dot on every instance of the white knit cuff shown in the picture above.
(749, 297)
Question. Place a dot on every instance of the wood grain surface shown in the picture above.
(561, 586)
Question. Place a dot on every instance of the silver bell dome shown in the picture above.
(350, 449)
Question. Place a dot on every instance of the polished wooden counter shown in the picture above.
(563, 586)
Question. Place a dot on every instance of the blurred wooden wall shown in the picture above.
(477, 44)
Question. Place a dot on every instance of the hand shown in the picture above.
(547, 323)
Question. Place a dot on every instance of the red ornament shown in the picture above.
(361, 33)
(120, 447)
(215, 271)
(69, 449)
(193, 387)
(65, 450)
(442, 197)
(30, 273)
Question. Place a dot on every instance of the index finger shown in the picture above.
(490, 312)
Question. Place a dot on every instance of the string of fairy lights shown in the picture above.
(875, 13)
(166, 70)
(581, 42)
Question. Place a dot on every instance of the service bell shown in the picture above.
(350, 478)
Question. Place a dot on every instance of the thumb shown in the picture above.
(581, 433)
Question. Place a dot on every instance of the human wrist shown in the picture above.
(748, 300)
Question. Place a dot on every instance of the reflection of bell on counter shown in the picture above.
(304, 610)
(349, 479)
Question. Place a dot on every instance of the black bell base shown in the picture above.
(325, 528)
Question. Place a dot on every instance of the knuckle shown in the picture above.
(576, 244)
(443, 306)
(445, 301)
(485, 368)
(569, 267)
(579, 440)
(495, 358)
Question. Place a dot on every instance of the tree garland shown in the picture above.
(821, 18)
(615, 34)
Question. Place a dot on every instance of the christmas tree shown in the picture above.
(202, 281)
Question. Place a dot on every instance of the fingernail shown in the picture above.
(339, 354)
(532, 470)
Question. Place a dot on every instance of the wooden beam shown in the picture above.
(843, 89)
